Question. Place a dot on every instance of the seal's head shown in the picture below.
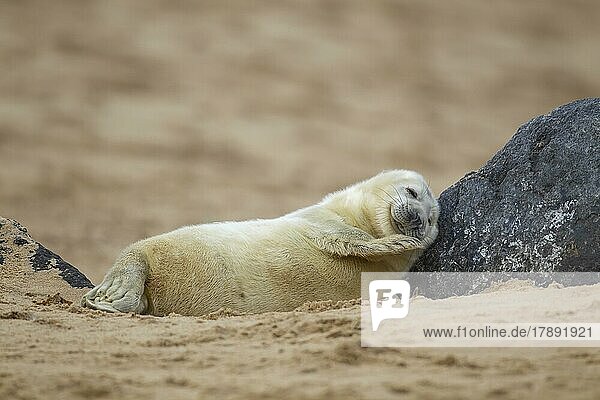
(393, 202)
(404, 204)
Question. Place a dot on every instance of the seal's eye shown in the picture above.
(412, 192)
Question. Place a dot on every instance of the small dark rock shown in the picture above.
(41, 258)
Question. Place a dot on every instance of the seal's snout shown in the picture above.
(415, 220)
(410, 218)
(415, 223)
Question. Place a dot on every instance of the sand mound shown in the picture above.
(326, 305)
(511, 285)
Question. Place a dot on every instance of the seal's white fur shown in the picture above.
(316, 253)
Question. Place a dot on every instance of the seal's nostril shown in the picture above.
(415, 220)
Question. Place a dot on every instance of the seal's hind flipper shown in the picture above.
(122, 290)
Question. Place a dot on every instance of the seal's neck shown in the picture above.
(355, 206)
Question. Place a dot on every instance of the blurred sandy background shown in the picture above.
(123, 119)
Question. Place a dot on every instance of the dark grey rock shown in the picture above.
(15, 242)
(535, 206)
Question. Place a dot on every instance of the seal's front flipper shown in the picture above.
(344, 241)
(122, 290)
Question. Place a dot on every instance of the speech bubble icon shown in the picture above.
(389, 299)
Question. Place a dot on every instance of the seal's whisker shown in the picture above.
(383, 190)
(397, 192)
(394, 200)
(384, 200)
(401, 199)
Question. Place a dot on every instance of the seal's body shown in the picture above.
(316, 253)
